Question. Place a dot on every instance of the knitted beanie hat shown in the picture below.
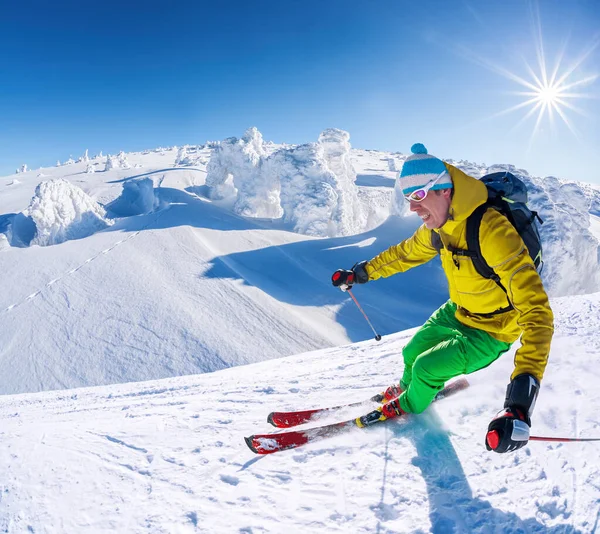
(420, 168)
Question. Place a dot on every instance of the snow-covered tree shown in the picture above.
(123, 161)
(22, 168)
(235, 168)
(348, 216)
(62, 211)
(182, 156)
(399, 206)
(318, 194)
(110, 163)
(90, 169)
(307, 197)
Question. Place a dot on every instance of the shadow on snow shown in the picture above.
(452, 505)
(299, 273)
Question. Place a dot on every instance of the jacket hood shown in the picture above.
(469, 193)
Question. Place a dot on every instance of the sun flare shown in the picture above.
(549, 91)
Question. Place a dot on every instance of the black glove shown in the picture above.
(344, 279)
(509, 430)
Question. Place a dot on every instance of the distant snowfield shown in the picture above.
(169, 455)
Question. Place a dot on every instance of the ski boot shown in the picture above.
(391, 393)
(387, 411)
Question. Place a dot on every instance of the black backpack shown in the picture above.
(508, 195)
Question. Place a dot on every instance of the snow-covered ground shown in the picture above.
(138, 271)
(169, 456)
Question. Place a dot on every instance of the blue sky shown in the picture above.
(134, 75)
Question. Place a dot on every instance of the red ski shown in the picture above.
(269, 443)
(289, 419)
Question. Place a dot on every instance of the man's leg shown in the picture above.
(464, 350)
(432, 370)
(437, 328)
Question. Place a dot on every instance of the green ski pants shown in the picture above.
(440, 350)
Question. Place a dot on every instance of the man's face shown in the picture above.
(433, 209)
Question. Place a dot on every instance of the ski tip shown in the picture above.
(250, 442)
(270, 419)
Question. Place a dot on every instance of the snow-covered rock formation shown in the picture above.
(62, 211)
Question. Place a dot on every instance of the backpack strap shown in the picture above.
(474, 247)
(436, 241)
(474, 252)
(473, 244)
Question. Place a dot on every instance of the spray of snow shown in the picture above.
(62, 211)
(399, 206)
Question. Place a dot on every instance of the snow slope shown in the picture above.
(178, 283)
(168, 456)
(169, 292)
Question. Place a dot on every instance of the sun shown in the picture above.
(548, 92)
(549, 95)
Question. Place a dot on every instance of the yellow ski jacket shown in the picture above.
(475, 296)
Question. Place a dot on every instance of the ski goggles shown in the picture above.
(419, 195)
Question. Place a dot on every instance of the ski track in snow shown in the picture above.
(89, 260)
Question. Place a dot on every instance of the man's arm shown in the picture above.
(505, 252)
(411, 252)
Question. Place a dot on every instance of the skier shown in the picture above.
(483, 317)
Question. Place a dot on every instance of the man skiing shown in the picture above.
(483, 317)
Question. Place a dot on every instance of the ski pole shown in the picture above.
(377, 336)
(547, 438)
